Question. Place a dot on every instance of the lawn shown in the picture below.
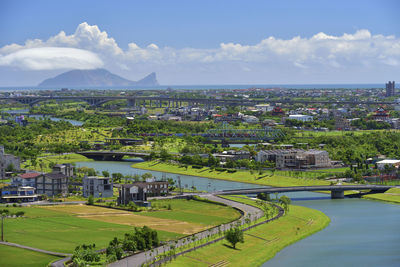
(195, 212)
(60, 231)
(392, 195)
(16, 257)
(56, 159)
(261, 243)
(244, 176)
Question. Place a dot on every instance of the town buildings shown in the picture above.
(391, 163)
(52, 184)
(138, 192)
(13, 194)
(97, 186)
(8, 162)
(390, 89)
(295, 158)
(25, 179)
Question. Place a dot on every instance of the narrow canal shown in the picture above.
(361, 232)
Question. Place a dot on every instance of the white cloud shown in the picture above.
(350, 51)
(49, 58)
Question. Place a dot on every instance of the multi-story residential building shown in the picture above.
(390, 89)
(301, 117)
(12, 194)
(66, 169)
(295, 158)
(97, 186)
(139, 191)
(52, 184)
(26, 179)
(7, 161)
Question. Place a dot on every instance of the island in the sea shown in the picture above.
(95, 77)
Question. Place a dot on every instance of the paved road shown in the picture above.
(248, 212)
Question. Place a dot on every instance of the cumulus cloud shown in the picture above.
(49, 58)
(321, 51)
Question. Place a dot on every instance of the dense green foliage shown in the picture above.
(234, 236)
(141, 239)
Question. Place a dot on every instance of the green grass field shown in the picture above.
(17, 257)
(62, 232)
(392, 195)
(244, 176)
(261, 243)
(56, 159)
(194, 211)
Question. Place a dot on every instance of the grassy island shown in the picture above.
(261, 243)
(245, 176)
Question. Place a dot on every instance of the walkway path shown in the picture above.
(248, 211)
(59, 254)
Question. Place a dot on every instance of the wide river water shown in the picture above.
(361, 233)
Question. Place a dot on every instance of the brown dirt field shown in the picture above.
(128, 218)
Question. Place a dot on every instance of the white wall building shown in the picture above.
(301, 117)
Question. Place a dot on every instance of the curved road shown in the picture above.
(247, 211)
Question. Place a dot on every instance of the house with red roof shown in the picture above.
(26, 179)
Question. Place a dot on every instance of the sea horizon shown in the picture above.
(207, 87)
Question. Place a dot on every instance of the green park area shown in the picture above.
(42, 163)
(270, 178)
(16, 257)
(262, 242)
(392, 195)
(63, 227)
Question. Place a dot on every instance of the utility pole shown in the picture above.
(2, 227)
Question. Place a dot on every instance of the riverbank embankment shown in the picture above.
(244, 176)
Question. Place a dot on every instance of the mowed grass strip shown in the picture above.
(17, 257)
(59, 231)
(243, 176)
(261, 243)
(392, 195)
(194, 211)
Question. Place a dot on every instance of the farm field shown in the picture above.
(262, 242)
(16, 257)
(244, 176)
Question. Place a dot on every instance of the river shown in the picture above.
(25, 111)
(361, 233)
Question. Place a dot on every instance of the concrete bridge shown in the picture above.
(159, 101)
(337, 191)
(111, 155)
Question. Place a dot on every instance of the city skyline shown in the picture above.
(224, 43)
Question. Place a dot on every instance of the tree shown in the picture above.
(105, 173)
(285, 202)
(90, 200)
(234, 236)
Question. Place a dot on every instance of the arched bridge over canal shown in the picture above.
(337, 191)
(112, 155)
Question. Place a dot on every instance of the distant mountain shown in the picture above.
(95, 77)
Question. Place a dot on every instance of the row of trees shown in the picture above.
(141, 239)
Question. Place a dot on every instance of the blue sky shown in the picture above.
(188, 42)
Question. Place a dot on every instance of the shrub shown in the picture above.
(20, 213)
(231, 171)
(90, 200)
(220, 169)
(197, 166)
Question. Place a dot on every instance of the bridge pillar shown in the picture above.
(337, 194)
(131, 103)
